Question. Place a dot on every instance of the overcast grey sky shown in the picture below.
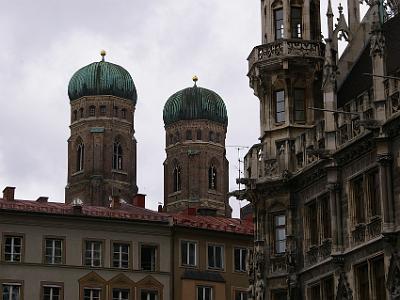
(161, 43)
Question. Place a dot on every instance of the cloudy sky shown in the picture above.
(161, 43)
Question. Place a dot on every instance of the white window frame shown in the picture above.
(120, 253)
(214, 252)
(91, 296)
(13, 253)
(92, 251)
(120, 291)
(148, 292)
(12, 285)
(187, 243)
(53, 251)
(242, 259)
(51, 290)
(203, 287)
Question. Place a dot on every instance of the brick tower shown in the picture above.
(196, 168)
(102, 146)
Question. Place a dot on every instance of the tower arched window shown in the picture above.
(211, 136)
(198, 135)
(123, 113)
(279, 24)
(117, 156)
(92, 111)
(75, 115)
(188, 135)
(81, 112)
(177, 179)
(80, 156)
(212, 178)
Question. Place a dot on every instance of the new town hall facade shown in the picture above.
(324, 178)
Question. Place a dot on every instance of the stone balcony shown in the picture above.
(285, 49)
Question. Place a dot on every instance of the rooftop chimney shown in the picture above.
(115, 202)
(77, 206)
(42, 199)
(8, 193)
(160, 208)
(139, 200)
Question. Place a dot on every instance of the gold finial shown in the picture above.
(195, 79)
(103, 53)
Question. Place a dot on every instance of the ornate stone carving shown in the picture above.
(250, 273)
(359, 234)
(271, 168)
(377, 38)
(393, 278)
(344, 291)
(374, 227)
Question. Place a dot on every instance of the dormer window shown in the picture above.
(279, 25)
(296, 21)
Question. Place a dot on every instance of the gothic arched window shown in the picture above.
(212, 178)
(117, 156)
(189, 135)
(177, 179)
(80, 155)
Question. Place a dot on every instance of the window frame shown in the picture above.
(213, 178)
(113, 289)
(101, 292)
(3, 246)
(238, 292)
(204, 287)
(147, 290)
(281, 113)
(102, 252)
(369, 263)
(80, 157)
(177, 178)
(279, 33)
(188, 265)
(156, 259)
(53, 237)
(297, 109)
(275, 228)
(13, 282)
(44, 284)
(92, 111)
(242, 263)
(214, 268)
(130, 254)
(294, 28)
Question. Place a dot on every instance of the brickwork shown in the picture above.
(111, 121)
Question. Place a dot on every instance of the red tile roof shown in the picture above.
(214, 223)
(126, 212)
(133, 213)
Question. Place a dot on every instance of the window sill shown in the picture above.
(78, 173)
(189, 266)
(119, 172)
(215, 269)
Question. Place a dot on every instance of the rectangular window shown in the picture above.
(148, 256)
(279, 25)
(326, 217)
(120, 258)
(362, 281)
(120, 294)
(299, 105)
(280, 106)
(188, 253)
(374, 193)
(279, 295)
(313, 223)
(358, 199)
(378, 278)
(204, 293)
(240, 259)
(280, 234)
(296, 20)
(93, 253)
(215, 256)
(148, 295)
(92, 111)
(91, 294)
(11, 291)
(53, 251)
(240, 295)
(51, 292)
(328, 289)
(12, 248)
(315, 292)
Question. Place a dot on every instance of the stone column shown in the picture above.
(336, 216)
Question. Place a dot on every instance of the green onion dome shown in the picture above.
(102, 78)
(195, 103)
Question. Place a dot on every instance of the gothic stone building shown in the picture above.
(324, 179)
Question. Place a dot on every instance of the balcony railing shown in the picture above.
(285, 48)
